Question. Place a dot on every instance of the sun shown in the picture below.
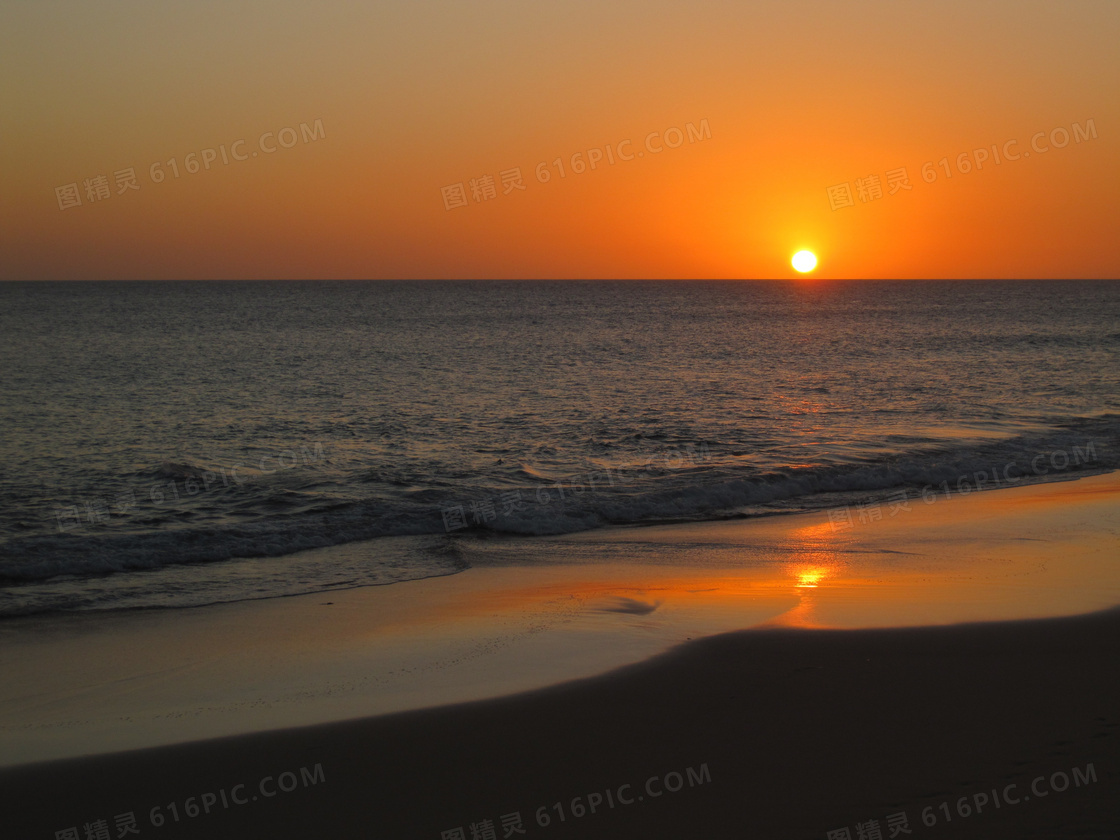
(804, 261)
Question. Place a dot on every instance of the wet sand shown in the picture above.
(603, 669)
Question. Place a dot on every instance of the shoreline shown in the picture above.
(213, 582)
(540, 612)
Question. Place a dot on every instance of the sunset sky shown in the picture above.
(392, 104)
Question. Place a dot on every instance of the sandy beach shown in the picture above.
(788, 676)
(546, 421)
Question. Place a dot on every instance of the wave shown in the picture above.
(713, 486)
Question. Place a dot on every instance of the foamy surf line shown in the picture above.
(276, 556)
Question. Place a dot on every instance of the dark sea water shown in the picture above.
(171, 444)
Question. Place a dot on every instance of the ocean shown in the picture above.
(173, 444)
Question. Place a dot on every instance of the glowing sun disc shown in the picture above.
(804, 261)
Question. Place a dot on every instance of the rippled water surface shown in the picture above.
(173, 443)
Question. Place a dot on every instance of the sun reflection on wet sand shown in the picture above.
(1018, 553)
(809, 578)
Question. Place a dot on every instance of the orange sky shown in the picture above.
(786, 99)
